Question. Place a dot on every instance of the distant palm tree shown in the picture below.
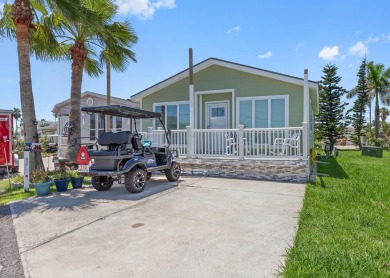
(82, 40)
(17, 116)
(112, 59)
(17, 21)
(379, 78)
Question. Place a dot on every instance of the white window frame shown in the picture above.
(96, 129)
(114, 123)
(177, 103)
(269, 98)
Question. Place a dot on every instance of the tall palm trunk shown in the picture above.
(108, 72)
(22, 16)
(377, 124)
(369, 108)
(79, 54)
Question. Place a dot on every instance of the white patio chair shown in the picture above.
(285, 146)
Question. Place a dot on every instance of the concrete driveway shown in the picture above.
(199, 227)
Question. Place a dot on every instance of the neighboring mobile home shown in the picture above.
(236, 120)
(91, 125)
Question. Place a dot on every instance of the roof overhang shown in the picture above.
(121, 111)
(213, 61)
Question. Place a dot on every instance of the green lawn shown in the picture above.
(8, 194)
(344, 226)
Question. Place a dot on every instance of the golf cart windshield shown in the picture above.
(122, 111)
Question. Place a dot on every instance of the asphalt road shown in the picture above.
(10, 263)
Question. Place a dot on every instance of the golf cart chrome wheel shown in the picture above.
(173, 174)
(102, 183)
(135, 180)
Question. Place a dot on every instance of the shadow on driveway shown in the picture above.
(88, 197)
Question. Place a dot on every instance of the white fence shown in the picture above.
(228, 143)
(240, 143)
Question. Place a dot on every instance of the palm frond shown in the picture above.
(7, 26)
(92, 68)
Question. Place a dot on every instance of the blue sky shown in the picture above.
(282, 36)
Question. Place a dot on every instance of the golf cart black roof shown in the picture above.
(121, 111)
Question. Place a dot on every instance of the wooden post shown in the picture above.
(191, 89)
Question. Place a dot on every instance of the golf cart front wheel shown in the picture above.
(102, 183)
(135, 180)
(173, 173)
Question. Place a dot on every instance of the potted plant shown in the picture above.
(41, 182)
(61, 181)
(76, 179)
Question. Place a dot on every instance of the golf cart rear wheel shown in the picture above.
(135, 180)
(102, 183)
(173, 173)
(149, 175)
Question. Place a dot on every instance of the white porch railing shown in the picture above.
(234, 143)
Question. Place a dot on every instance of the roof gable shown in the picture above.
(87, 94)
(214, 61)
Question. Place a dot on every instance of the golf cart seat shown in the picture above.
(119, 144)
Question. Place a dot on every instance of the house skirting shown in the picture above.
(272, 170)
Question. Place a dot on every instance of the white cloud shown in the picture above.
(358, 49)
(386, 37)
(144, 9)
(372, 39)
(234, 29)
(329, 53)
(265, 55)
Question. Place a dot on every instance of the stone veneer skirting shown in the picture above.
(273, 170)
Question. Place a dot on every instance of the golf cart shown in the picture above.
(127, 159)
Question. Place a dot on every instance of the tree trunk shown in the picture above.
(369, 124)
(376, 115)
(79, 54)
(22, 17)
(108, 72)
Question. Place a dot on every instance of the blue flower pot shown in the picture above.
(77, 182)
(61, 185)
(42, 189)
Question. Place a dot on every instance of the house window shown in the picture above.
(116, 123)
(96, 125)
(174, 115)
(263, 112)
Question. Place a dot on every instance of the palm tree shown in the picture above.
(17, 116)
(21, 13)
(119, 62)
(82, 40)
(379, 78)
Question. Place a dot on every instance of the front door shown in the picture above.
(217, 115)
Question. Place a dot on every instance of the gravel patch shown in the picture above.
(10, 263)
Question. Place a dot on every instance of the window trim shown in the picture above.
(269, 98)
(177, 103)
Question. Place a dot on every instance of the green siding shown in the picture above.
(245, 85)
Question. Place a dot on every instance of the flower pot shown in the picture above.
(77, 182)
(42, 189)
(61, 185)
